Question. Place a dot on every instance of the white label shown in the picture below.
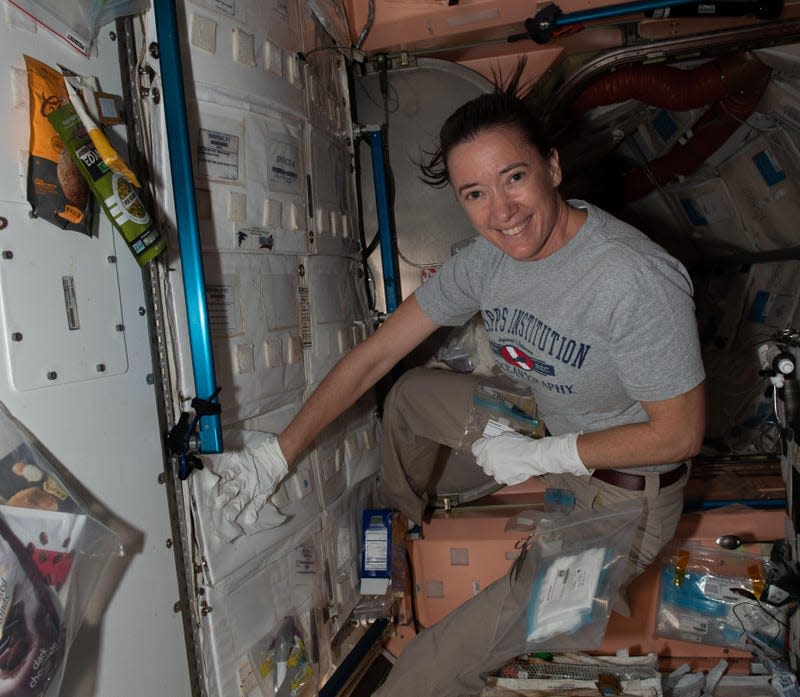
(719, 588)
(566, 593)
(223, 309)
(218, 155)
(496, 428)
(776, 595)
(376, 548)
(226, 7)
(284, 166)
(305, 563)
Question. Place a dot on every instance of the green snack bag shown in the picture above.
(115, 193)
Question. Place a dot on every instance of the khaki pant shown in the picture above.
(426, 410)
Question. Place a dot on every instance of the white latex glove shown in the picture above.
(272, 465)
(512, 458)
(248, 476)
(259, 515)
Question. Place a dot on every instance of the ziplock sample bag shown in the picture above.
(52, 553)
(499, 405)
(712, 596)
(575, 566)
(283, 667)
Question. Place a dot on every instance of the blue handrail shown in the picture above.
(374, 137)
(617, 10)
(210, 430)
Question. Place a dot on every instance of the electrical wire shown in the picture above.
(428, 265)
(378, 104)
(748, 635)
(355, 55)
(746, 122)
(367, 26)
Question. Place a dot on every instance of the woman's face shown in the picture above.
(509, 192)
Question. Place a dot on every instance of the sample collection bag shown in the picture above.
(719, 597)
(575, 566)
(52, 553)
(499, 405)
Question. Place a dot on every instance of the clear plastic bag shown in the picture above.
(78, 21)
(52, 553)
(574, 568)
(499, 404)
(715, 597)
(581, 561)
(557, 503)
(281, 660)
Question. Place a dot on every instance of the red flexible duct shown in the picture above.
(666, 87)
(659, 85)
(708, 134)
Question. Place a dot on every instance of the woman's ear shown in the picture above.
(554, 165)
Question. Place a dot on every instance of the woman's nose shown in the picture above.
(504, 207)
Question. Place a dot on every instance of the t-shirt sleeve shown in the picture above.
(452, 295)
(654, 341)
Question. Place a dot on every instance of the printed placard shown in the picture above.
(283, 162)
(224, 314)
(218, 155)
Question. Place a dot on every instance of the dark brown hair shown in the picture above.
(504, 106)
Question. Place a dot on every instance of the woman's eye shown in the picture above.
(472, 196)
(517, 176)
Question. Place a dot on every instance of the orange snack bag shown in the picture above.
(57, 191)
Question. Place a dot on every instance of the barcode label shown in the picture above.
(70, 302)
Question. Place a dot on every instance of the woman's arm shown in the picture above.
(673, 433)
(359, 370)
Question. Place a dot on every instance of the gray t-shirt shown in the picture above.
(604, 323)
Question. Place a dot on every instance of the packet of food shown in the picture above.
(33, 639)
(101, 142)
(115, 193)
(57, 190)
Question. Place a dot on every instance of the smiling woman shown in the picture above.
(616, 392)
(509, 191)
(504, 172)
(548, 276)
